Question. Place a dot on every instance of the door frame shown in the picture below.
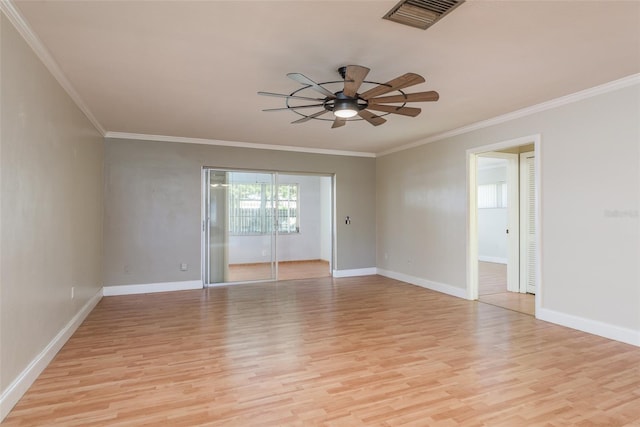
(203, 219)
(472, 212)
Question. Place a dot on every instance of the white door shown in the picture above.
(527, 223)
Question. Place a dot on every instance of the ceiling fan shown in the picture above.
(348, 104)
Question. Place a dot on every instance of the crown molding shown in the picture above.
(13, 15)
(544, 106)
(184, 140)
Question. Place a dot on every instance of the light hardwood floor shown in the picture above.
(287, 270)
(366, 351)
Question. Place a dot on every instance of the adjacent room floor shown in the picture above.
(287, 270)
(492, 289)
(364, 351)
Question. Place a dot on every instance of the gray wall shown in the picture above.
(590, 197)
(51, 214)
(153, 205)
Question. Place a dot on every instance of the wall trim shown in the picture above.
(15, 17)
(606, 330)
(527, 111)
(237, 144)
(14, 392)
(424, 283)
(494, 259)
(355, 272)
(148, 288)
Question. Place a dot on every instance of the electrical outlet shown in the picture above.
(183, 266)
(73, 292)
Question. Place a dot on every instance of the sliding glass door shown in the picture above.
(253, 229)
(240, 231)
(216, 237)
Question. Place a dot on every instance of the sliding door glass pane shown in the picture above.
(241, 238)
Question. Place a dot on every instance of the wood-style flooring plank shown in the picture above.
(366, 351)
(287, 270)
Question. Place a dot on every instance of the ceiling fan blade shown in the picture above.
(353, 77)
(405, 80)
(294, 108)
(371, 118)
(338, 122)
(312, 116)
(409, 97)
(281, 95)
(405, 111)
(301, 78)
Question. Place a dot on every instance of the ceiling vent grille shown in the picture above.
(421, 13)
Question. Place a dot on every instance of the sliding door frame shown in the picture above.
(204, 226)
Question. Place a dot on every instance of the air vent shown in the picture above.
(421, 13)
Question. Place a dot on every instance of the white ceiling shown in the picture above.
(192, 69)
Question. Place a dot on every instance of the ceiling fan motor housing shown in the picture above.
(344, 102)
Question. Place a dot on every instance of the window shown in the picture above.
(288, 208)
(251, 208)
(491, 196)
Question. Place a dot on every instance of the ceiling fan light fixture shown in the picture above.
(345, 108)
(345, 114)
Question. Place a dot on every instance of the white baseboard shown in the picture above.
(434, 286)
(493, 259)
(12, 394)
(149, 288)
(355, 272)
(594, 327)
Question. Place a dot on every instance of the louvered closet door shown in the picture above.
(528, 242)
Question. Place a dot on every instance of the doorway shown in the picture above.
(502, 222)
(263, 226)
